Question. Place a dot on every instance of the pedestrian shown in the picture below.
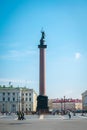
(22, 115)
(19, 115)
(69, 115)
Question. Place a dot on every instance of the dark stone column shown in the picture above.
(42, 99)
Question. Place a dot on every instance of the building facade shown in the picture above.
(84, 100)
(65, 104)
(17, 99)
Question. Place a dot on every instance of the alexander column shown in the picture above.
(42, 99)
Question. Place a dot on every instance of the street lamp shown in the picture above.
(61, 104)
(64, 104)
(18, 101)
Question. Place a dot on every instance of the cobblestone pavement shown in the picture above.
(33, 117)
(44, 124)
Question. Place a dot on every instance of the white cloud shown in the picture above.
(15, 54)
(77, 55)
(14, 80)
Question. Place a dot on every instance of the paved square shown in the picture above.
(45, 124)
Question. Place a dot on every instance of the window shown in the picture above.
(29, 99)
(13, 105)
(8, 98)
(29, 94)
(3, 94)
(13, 99)
(26, 94)
(8, 94)
(26, 99)
(13, 93)
(22, 94)
(3, 99)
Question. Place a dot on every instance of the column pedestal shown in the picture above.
(42, 104)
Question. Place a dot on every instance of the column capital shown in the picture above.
(42, 46)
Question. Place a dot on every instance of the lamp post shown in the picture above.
(61, 104)
(64, 104)
(17, 101)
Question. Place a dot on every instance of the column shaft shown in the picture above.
(42, 72)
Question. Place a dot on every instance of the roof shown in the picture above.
(66, 100)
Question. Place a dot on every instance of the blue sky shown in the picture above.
(65, 25)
